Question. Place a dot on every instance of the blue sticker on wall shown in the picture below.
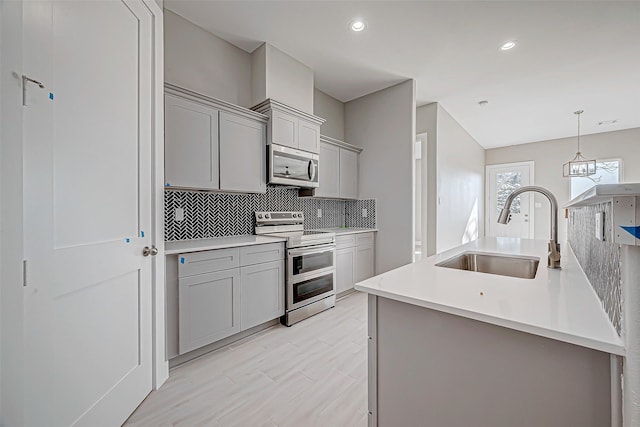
(51, 95)
(141, 233)
(128, 240)
(167, 185)
(634, 231)
(181, 260)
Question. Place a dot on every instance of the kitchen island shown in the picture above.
(454, 348)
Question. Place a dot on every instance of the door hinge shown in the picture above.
(24, 272)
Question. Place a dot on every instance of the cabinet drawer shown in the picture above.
(345, 241)
(257, 254)
(364, 239)
(207, 261)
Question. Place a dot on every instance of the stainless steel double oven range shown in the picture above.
(311, 261)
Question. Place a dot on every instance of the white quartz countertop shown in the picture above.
(349, 230)
(184, 246)
(558, 304)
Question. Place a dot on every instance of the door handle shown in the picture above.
(153, 251)
(311, 170)
(25, 80)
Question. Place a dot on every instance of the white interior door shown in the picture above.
(502, 180)
(87, 186)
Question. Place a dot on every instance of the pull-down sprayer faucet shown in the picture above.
(553, 260)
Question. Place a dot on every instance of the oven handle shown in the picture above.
(312, 250)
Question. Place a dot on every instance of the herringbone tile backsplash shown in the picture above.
(209, 214)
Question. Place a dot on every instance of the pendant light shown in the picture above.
(579, 166)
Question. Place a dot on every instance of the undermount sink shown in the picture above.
(522, 267)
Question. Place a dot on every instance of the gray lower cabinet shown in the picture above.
(262, 293)
(355, 259)
(209, 308)
(345, 269)
(365, 262)
(222, 292)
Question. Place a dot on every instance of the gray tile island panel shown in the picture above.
(599, 259)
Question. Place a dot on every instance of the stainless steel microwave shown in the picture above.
(288, 166)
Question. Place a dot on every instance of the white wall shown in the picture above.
(549, 156)
(332, 111)
(198, 60)
(289, 80)
(460, 163)
(454, 201)
(259, 75)
(383, 124)
(278, 76)
(11, 246)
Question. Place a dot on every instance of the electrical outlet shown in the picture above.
(319, 213)
(179, 214)
(364, 212)
(600, 225)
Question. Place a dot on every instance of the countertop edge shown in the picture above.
(617, 349)
(209, 245)
(343, 231)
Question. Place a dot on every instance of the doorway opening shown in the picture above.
(419, 171)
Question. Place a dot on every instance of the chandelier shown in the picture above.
(579, 166)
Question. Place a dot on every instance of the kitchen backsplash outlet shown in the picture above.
(209, 214)
(600, 259)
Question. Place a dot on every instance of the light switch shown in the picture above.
(319, 213)
(600, 225)
(179, 214)
(364, 212)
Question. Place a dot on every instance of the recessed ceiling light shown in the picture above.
(357, 25)
(509, 45)
(483, 103)
(608, 122)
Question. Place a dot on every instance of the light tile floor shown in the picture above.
(311, 374)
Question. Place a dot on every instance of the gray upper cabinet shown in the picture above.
(291, 127)
(284, 129)
(213, 145)
(338, 169)
(191, 144)
(348, 174)
(308, 136)
(328, 177)
(242, 154)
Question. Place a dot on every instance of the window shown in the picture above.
(607, 172)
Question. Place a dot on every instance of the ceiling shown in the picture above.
(570, 56)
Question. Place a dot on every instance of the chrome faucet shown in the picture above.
(553, 260)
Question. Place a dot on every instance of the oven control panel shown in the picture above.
(279, 217)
